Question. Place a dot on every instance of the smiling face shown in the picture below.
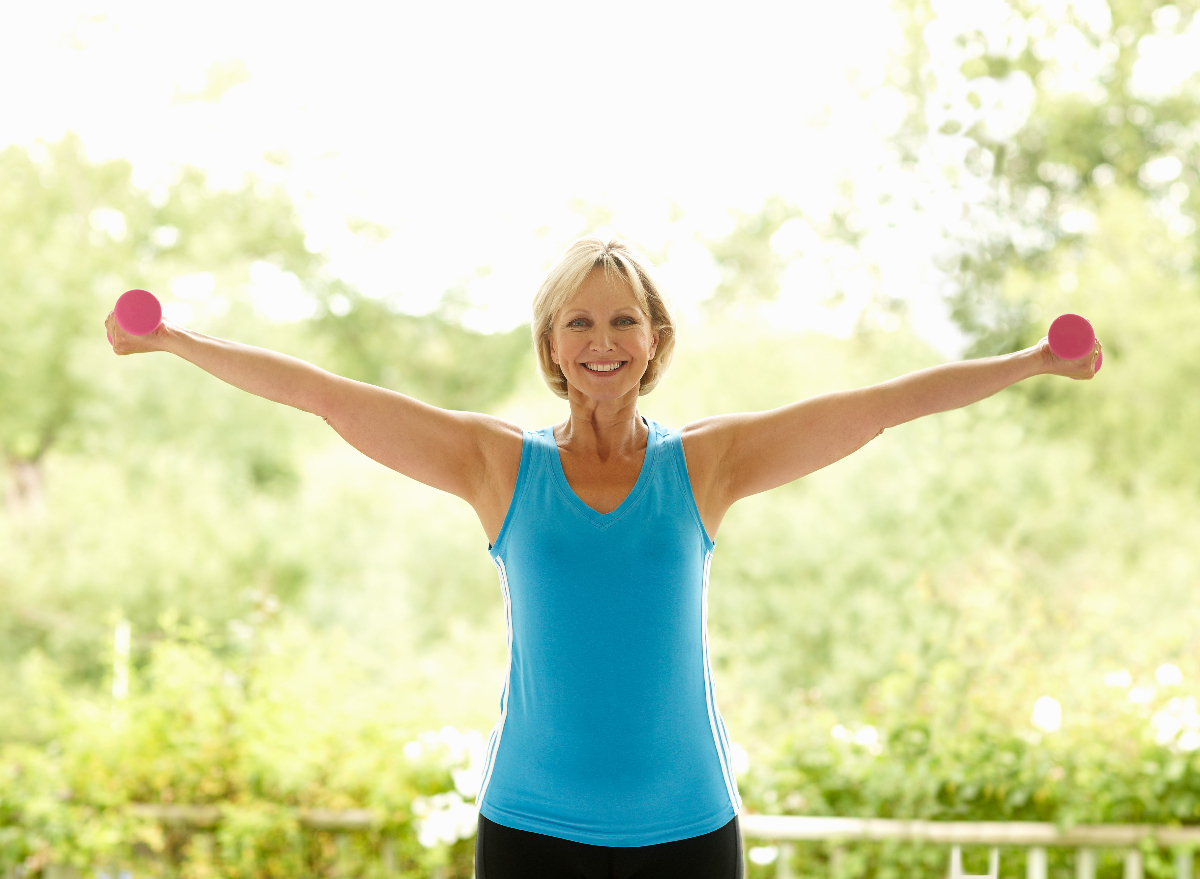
(602, 340)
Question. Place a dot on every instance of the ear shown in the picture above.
(653, 344)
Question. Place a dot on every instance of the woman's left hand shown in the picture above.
(1082, 369)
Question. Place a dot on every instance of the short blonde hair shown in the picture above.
(563, 281)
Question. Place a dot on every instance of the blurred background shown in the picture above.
(209, 600)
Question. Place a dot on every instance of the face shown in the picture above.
(602, 340)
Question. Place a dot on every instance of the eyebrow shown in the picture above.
(631, 308)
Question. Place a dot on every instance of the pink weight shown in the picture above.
(138, 312)
(1072, 337)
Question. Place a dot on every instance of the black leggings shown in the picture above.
(507, 853)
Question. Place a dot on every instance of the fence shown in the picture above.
(787, 830)
(1035, 838)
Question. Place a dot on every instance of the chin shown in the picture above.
(606, 394)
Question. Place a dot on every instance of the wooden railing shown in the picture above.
(787, 830)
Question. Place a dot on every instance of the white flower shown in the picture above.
(763, 854)
(1047, 714)
(1166, 727)
(866, 736)
(1119, 679)
(444, 819)
(1168, 675)
(1179, 715)
(741, 760)
(453, 749)
(1140, 695)
(467, 781)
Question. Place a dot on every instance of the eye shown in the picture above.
(577, 322)
(627, 321)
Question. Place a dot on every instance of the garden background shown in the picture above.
(206, 598)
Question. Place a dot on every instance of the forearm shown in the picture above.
(954, 385)
(268, 374)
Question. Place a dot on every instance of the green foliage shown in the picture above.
(260, 725)
(1075, 139)
(751, 267)
(1109, 763)
(73, 236)
(300, 614)
(431, 357)
(1137, 283)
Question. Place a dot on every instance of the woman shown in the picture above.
(610, 757)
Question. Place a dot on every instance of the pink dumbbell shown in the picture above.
(1072, 337)
(138, 313)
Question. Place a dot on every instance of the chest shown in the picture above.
(602, 485)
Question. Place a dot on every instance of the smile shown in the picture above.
(604, 367)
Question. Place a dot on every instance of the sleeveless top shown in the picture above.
(609, 731)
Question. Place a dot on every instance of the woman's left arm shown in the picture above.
(751, 452)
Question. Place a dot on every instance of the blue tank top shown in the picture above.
(609, 731)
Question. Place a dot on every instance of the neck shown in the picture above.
(602, 427)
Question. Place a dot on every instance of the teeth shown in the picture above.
(602, 367)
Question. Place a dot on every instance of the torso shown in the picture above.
(608, 677)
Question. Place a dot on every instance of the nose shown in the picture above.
(602, 339)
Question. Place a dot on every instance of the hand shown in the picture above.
(1082, 369)
(127, 343)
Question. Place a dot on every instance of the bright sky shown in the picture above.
(469, 130)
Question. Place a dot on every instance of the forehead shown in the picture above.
(602, 289)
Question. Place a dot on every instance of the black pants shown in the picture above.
(507, 853)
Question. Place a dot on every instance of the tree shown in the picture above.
(432, 357)
(73, 235)
(1092, 124)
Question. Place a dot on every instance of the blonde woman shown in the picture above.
(610, 757)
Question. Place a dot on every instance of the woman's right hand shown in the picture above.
(127, 343)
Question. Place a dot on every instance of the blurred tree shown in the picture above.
(73, 235)
(1027, 111)
(750, 262)
(1095, 118)
(200, 483)
(1141, 416)
(432, 357)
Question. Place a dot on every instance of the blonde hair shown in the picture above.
(563, 281)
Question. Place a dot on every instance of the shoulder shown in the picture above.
(662, 431)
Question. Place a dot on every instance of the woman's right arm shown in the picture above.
(462, 453)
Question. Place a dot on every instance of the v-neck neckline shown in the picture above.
(593, 515)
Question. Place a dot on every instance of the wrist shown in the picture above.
(169, 337)
(1033, 360)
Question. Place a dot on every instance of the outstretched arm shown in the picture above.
(751, 452)
(444, 449)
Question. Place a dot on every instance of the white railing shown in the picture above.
(787, 830)
(1035, 838)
